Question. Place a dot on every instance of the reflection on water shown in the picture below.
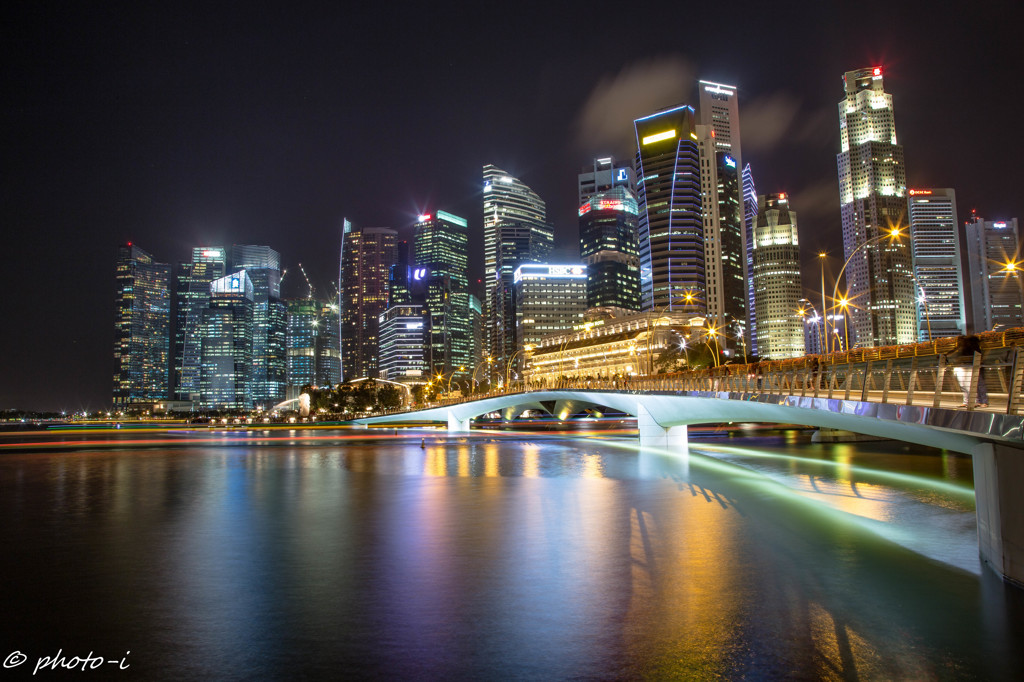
(487, 556)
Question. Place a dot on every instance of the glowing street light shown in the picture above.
(893, 235)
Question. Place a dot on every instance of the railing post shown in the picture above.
(864, 383)
(912, 383)
(1016, 383)
(940, 378)
(972, 391)
(887, 380)
(833, 378)
(849, 376)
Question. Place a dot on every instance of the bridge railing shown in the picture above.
(923, 374)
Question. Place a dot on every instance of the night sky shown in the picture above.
(174, 126)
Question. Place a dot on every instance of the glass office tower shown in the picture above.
(142, 336)
(608, 246)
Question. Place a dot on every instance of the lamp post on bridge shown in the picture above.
(892, 235)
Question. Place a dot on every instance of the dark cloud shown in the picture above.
(765, 121)
(605, 123)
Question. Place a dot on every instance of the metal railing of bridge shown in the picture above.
(918, 374)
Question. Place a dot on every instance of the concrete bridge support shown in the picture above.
(998, 479)
(456, 425)
(652, 434)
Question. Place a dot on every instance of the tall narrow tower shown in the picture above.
(671, 232)
(777, 287)
(749, 219)
(997, 290)
(142, 335)
(872, 194)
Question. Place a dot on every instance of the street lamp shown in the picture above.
(508, 367)
(821, 259)
(460, 369)
(820, 320)
(713, 333)
(892, 235)
(844, 304)
(486, 361)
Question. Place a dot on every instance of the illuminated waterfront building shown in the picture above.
(671, 232)
(938, 277)
(142, 329)
(605, 174)
(192, 296)
(441, 256)
(994, 273)
(548, 299)
(872, 191)
(614, 347)
(608, 247)
(225, 381)
(269, 371)
(367, 255)
(777, 285)
(516, 231)
(313, 353)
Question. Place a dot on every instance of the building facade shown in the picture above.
(777, 284)
(516, 231)
(749, 218)
(938, 276)
(225, 381)
(404, 339)
(996, 290)
(872, 191)
(608, 247)
(269, 371)
(367, 255)
(142, 328)
(192, 296)
(603, 175)
(441, 256)
(549, 299)
(670, 228)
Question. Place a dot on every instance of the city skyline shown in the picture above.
(151, 129)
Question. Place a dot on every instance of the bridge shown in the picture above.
(909, 393)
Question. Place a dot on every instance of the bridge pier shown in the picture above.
(998, 472)
(456, 425)
(652, 434)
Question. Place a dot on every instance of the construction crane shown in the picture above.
(308, 283)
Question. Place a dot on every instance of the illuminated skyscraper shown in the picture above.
(722, 203)
(872, 192)
(192, 297)
(777, 285)
(269, 372)
(671, 231)
(441, 255)
(367, 255)
(516, 231)
(935, 243)
(608, 229)
(403, 342)
(749, 218)
(225, 381)
(142, 329)
(997, 292)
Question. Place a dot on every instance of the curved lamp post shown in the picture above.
(893, 235)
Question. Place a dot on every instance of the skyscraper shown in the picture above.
(225, 381)
(608, 246)
(722, 199)
(749, 218)
(301, 345)
(269, 372)
(777, 285)
(872, 192)
(142, 328)
(441, 255)
(516, 231)
(935, 243)
(192, 297)
(606, 173)
(671, 232)
(367, 255)
(997, 292)
(403, 343)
